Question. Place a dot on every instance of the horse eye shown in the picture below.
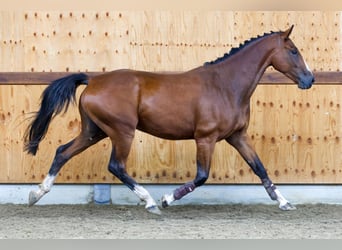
(294, 51)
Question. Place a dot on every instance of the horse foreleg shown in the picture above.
(240, 142)
(204, 153)
(188, 187)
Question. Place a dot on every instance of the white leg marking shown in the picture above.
(47, 183)
(144, 195)
(44, 187)
(283, 203)
(168, 199)
(280, 198)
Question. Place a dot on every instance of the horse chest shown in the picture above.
(232, 118)
(221, 123)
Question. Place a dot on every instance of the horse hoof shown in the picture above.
(164, 203)
(33, 198)
(166, 200)
(287, 207)
(154, 210)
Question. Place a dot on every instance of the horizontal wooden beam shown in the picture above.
(321, 78)
(44, 78)
(33, 78)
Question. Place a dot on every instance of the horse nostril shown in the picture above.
(313, 80)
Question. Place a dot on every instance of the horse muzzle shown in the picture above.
(306, 81)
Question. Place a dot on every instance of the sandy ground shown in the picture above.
(181, 222)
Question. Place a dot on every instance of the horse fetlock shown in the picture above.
(283, 203)
(151, 205)
(272, 194)
(184, 190)
(145, 196)
(44, 188)
(270, 189)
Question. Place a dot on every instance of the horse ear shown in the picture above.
(287, 33)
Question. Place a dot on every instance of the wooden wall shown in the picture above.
(296, 133)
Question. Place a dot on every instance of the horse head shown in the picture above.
(288, 60)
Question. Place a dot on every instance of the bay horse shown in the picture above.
(208, 104)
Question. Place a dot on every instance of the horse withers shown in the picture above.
(208, 104)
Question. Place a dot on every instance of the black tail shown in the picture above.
(54, 98)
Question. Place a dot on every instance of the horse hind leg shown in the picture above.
(45, 187)
(117, 166)
(89, 135)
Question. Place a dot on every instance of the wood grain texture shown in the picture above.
(269, 78)
(296, 133)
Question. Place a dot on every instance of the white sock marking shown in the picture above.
(144, 195)
(47, 183)
(282, 201)
(169, 198)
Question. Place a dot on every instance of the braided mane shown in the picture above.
(237, 49)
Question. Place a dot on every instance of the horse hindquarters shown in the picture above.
(117, 118)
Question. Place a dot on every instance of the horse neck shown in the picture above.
(245, 68)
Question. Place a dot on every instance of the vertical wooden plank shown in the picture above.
(14, 111)
(11, 41)
(304, 130)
